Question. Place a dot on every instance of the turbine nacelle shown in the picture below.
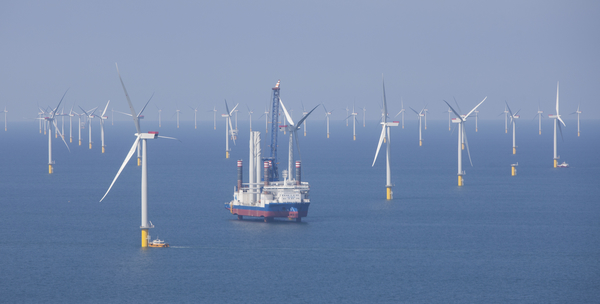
(149, 135)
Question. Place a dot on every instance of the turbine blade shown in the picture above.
(414, 110)
(104, 112)
(61, 136)
(226, 107)
(560, 129)
(230, 127)
(166, 137)
(475, 108)
(297, 144)
(561, 121)
(61, 99)
(455, 113)
(385, 112)
(233, 110)
(467, 144)
(287, 115)
(135, 118)
(305, 117)
(142, 111)
(86, 113)
(131, 151)
(457, 106)
(379, 145)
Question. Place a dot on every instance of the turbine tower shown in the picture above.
(420, 116)
(140, 138)
(353, 115)
(401, 112)
(385, 133)
(138, 116)
(505, 119)
(513, 122)
(304, 113)
(556, 120)
(577, 112)
(5, 111)
(71, 125)
(539, 113)
(449, 119)
(460, 120)
(293, 128)
(327, 114)
(159, 116)
(476, 119)
(214, 110)
(89, 117)
(364, 113)
(425, 113)
(195, 116)
(102, 119)
(250, 116)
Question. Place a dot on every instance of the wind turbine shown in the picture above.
(401, 112)
(79, 125)
(214, 110)
(513, 122)
(353, 115)
(304, 113)
(347, 111)
(5, 111)
(449, 119)
(420, 115)
(576, 112)
(385, 133)
(327, 114)
(140, 138)
(476, 118)
(159, 116)
(460, 120)
(505, 119)
(52, 121)
(556, 120)
(71, 125)
(539, 113)
(266, 114)
(293, 128)
(177, 112)
(425, 113)
(89, 117)
(195, 116)
(227, 126)
(364, 113)
(250, 114)
(102, 119)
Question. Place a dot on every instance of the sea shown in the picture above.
(529, 238)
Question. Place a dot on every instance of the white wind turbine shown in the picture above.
(71, 125)
(539, 113)
(293, 128)
(401, 112)
(214, 110)
(513, 122)
(177, 112)
(304, 113)
(577, 112)
(250, 114)
(327, 114)
(52, 121)
(476, 119)
(266, 114)
(89, 117)
(364, 113)
(159, 116)
(140, 138)
(227, 127)
(425, 113)
(449, 119)
(102, 119)
(420, 116)
(556, 120)
(353, 115)
(195, 116)
(347, 111)
(385, 133)
(460, 121)
(79, 125)
(505, 119)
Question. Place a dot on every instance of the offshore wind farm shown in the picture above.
(72, 232)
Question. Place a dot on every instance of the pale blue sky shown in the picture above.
(197, 53)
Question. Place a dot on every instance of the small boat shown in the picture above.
(158, 244)
(563, 165)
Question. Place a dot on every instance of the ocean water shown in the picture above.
(533, 237)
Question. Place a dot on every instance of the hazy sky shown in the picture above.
(198, 53)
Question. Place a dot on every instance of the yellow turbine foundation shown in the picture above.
(514, 150)
(90, 146)
(505, 131)
(555, 163)
(304, 133)
(577, 134)
(55, 135)
(420, 143)
(475, 129)
(389, 193)
(70, 139)
(50, 170)
(513, 171)
(226, 154)
(144, 237)
(463, 146)
(80, 142)
(354, 137)
(327, 135)
(139, 161)
(540, 132)
(40, 131)
(460, 181)
(102, 149)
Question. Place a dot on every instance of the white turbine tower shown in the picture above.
(159, 116)
(385, 133)
(177, 112)
(364, 113)
(505, 119)
(327, 114)
(5, 111)
(293, 128)
(556, 120)
(513, 122)
(304, 113)
(347, 111)
(250, 114)
(353, 115)
(195, 116)
(420, 116)
(90, 115)
(460, 121)
(539, 113)
(577, 112)
(401, 112)
(449, 119)
(476, 119)
(102, 119)
(214, 110)
(79, 125)
(71, 125)
(266, 114)
(425, 113)
(51, 120)
(227, 127)
(140, 138)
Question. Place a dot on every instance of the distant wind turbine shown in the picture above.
(227, 127)
(577, 112)
(513, 122)
(51, 120)
(327, 114)
(420, 115)
(539, 113)
(556, 120)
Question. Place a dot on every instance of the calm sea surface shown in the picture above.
(534, 237)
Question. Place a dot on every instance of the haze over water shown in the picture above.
(528, 238)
